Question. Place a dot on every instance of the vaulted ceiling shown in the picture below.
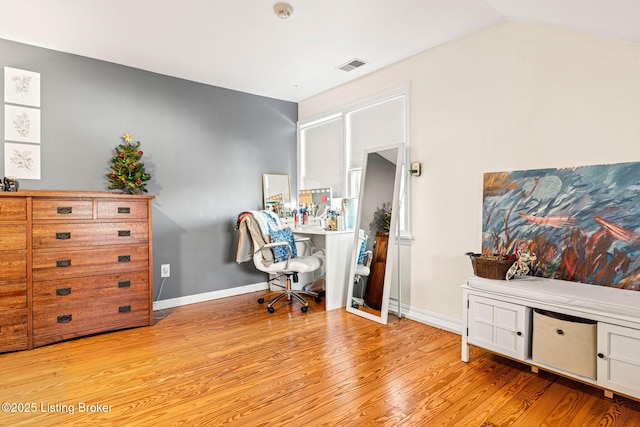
(243, 45)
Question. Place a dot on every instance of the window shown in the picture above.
(372, 125)
(321, 157)
(331, 147)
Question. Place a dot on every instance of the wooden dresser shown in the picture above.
(72, 264)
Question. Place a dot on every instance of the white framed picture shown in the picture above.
(21, 87)
(22, 160)
(21, 124)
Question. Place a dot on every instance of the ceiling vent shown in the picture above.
(352, 65)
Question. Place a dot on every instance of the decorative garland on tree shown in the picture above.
(127, 171)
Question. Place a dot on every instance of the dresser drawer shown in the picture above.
(92, 261)
(13, 237)
(53, 323)
(68, 291)
(13, 331)
(62, 209)
(13, 209)
(83, 234)
(13, 266)
(13, 295)
(122, 209)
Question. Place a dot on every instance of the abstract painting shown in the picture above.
(583, 223)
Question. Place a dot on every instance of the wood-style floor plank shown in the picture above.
(230, 362)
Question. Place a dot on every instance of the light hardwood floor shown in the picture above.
(229, 362)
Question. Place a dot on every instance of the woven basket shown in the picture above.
(490, 268)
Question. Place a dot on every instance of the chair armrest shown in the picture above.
(367, 258)
(307, 243)
(273, 245)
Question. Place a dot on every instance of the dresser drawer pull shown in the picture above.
(63, 263)
(124, 258)
(65, 318)
(124, 309)
(65, 210)
(124, 284)
(63, 236)
(61, 292)
(124, 233)
(124, 210)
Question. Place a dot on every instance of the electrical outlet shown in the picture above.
(165, 270)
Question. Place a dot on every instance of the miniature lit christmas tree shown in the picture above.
(127, 171)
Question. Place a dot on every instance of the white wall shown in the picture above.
(515, 96)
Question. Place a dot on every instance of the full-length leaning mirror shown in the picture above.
(376, 227)
(276, 190)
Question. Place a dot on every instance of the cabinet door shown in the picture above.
(375, 284)
(619, 359)
(499, 326)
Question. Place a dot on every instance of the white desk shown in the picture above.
(338, 252)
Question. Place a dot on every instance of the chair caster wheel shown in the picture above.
(260, 300)
(304, 308)
(318, 299)
(271, 309)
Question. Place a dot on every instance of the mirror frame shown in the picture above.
(265, 177)
(393, 228)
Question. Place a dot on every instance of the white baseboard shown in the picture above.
(208, 296)
(434, 319)
(423, 316)
(393, 307)
(427, 317)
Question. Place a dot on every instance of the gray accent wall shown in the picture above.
(206, 148)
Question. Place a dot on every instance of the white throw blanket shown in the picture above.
(255, 226)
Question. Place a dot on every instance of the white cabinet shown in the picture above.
(499, 326)
(500, 319)
(619, 359)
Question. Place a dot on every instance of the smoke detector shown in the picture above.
(283, 10)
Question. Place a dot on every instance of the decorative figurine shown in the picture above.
(10, 184)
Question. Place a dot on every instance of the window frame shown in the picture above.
(347, 178)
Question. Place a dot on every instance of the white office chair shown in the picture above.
(289, 267)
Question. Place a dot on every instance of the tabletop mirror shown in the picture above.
(376, 227)
(317, 198)
(276, 190)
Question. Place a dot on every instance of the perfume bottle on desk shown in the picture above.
(332, 221)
